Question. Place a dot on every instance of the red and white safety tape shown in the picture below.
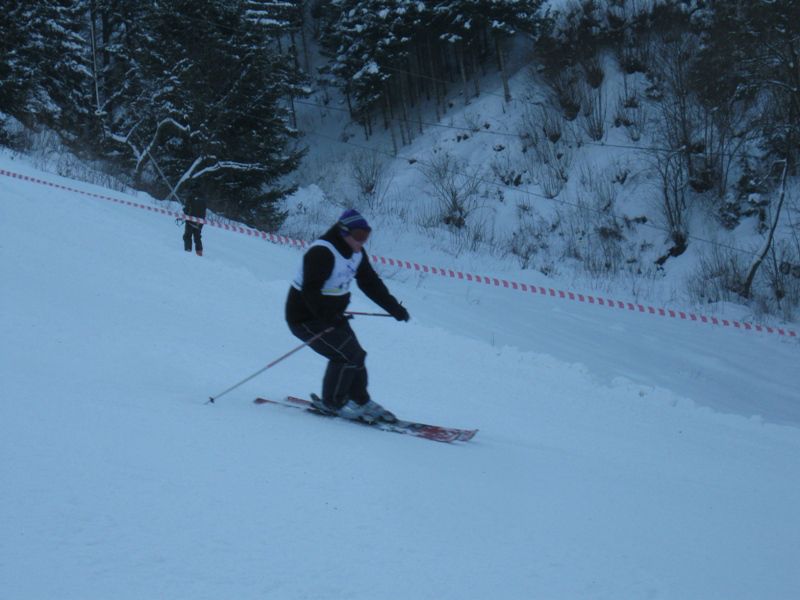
(278, 239)
(451, 273)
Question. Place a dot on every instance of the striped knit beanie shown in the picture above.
(352, 220)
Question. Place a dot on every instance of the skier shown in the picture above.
(195, 208)
(317, 299)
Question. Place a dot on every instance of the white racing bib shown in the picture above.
(344, 270)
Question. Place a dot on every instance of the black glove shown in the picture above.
(400, 313)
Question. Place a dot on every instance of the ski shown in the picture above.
(422, 430)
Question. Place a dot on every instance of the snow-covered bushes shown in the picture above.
(369, 173)
(592, 231)
(531, 239)
(717, 277)
(548, 153)
(594, 114)
(454, 185)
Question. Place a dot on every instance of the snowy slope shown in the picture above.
(620, 455)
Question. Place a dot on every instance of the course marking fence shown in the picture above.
(443, 272)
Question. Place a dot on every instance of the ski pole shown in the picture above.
(367, 314)
(211, 399)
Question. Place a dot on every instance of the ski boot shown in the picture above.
(369, 412)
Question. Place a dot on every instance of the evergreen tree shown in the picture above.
(386, 53)
(14, 72)
(45, 68)
(753, 49)
(202, 103)
(351, 39)
(480, 27)
(279, 20)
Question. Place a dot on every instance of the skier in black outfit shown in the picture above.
(317, 299)
(194, 208)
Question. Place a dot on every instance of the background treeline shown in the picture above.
(184, 97)
(390, 57)
(196, 97)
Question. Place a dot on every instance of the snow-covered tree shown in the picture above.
(387, 54)
(279, 20)
(752, 48)
(14, 71)
(44, 69)
(201, 107)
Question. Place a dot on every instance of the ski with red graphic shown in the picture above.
(421, 430)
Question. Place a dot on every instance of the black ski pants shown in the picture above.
(346, 375)
(192, 231)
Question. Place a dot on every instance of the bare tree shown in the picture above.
(369, 173)
(674, 181)
(455, 186)
(762, 253)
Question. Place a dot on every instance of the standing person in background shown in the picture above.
(195, 208)
(317, 300)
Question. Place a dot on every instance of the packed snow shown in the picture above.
(620, 455)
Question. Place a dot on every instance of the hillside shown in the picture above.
(620, 454)
(601, 229)
(646, 149)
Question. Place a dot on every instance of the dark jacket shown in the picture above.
(310, 304)
(195, 208)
